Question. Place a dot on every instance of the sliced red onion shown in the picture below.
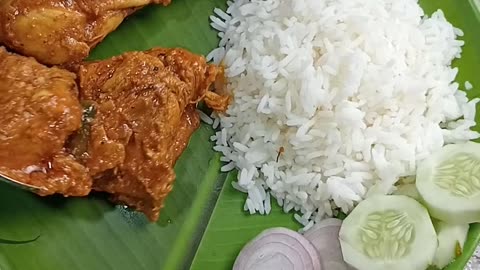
(324, 237)
(278, 249)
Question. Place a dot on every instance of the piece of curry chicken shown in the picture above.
(40, 110)
(58, 32)
(145, 115)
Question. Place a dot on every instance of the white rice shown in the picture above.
(205, 118)
(468, 86)
(355, 92)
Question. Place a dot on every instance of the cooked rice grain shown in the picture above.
(356, 93)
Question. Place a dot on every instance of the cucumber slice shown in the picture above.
(409, 190)
(451, 238)
(449, 183)
(388, 232)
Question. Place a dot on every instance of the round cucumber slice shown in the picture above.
(451, 238)
(449, 183)
(388, 232)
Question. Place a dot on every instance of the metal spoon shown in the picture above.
(6, 179)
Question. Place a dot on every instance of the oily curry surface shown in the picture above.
(146, 113)
(144, 106)
(58, 32)
(40, 110)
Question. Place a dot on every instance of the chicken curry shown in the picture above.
(40, 110)
(146, 114)
(58, 32)
(116, 126)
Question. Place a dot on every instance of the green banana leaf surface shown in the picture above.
(91, 233)
(196, 230)
(230, 227)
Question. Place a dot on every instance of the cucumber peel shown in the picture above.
(388, 232)
(451, 238)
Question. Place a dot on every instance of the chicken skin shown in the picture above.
(145, 115)
(58, 32)
(40, 110)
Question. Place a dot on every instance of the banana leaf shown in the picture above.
(230, 227)
(55, 233)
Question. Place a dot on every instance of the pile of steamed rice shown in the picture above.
(354, 92)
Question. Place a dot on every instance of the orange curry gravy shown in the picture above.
(144, 106)
(146, 114)
(40, 110)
